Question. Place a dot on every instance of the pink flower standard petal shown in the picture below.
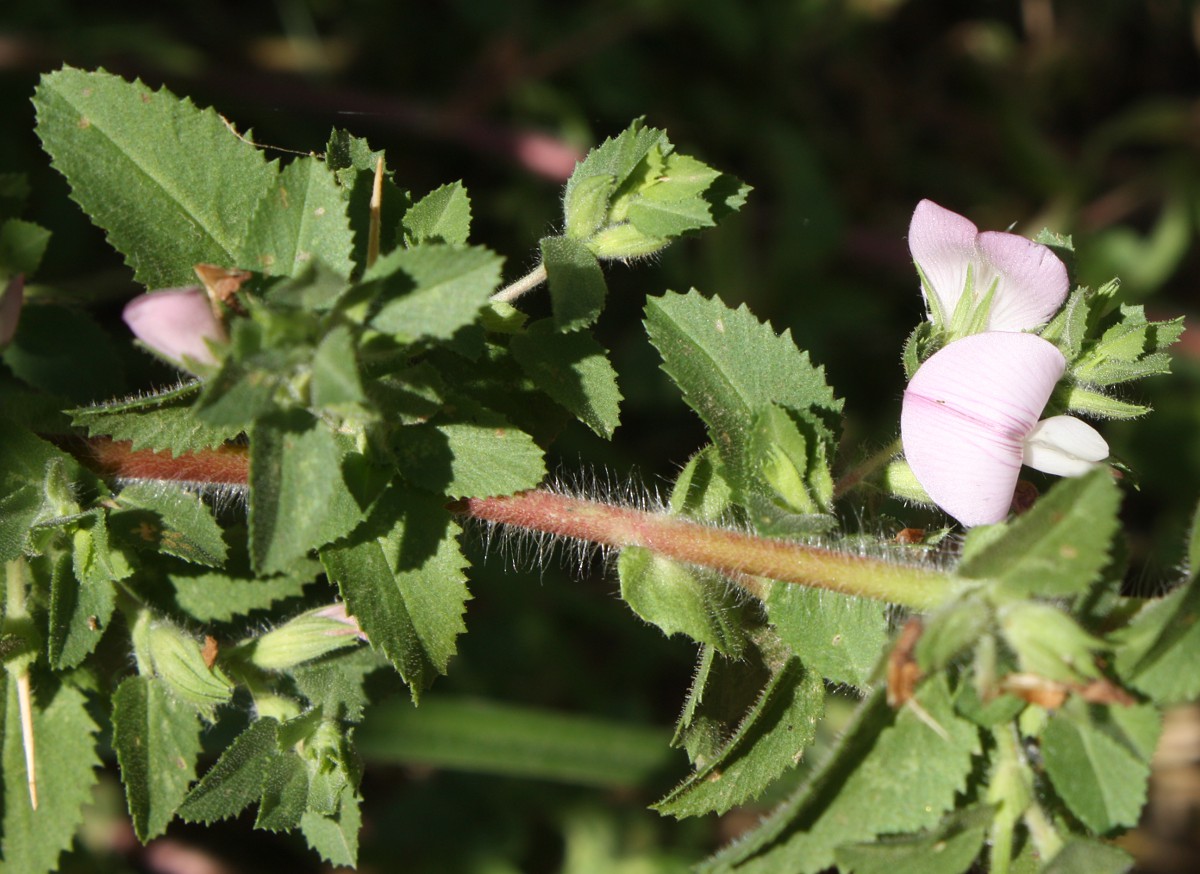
(175, 322)
(966, 415)
(942, 244)
(1031, 281)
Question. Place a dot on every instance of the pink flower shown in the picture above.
(970, 418)
(177, 323)
(1025, 281)
(10, 308)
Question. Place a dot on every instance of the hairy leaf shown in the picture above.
(1057, 548)
(770, 739)
(948, 849)
(402, 578)
(466, 459)
(1099, 762)
(171, 184)
(236, 779)
(432, 290)
(299, 499)
(729, 365)
(157, 739)
(302, 218)
(577, 287)
(65, 767)
(838, 636)
(574, 370)
(177, 522)
(892, 773)
(441, 216)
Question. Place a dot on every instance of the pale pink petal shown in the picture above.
(1064, 446)
(1033, 281)
(10, 308)
(942, 244)
(965, 417)
(176, 322)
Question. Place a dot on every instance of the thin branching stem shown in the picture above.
(528, 282)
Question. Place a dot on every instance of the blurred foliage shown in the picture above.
(1079, 115)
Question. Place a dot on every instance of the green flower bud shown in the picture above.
(624, 241)
(309, 636)
(176, 658)
(586, 205)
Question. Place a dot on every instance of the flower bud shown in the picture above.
(309, 636)
(178, 324)
(176, 658)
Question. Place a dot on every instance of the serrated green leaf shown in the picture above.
(465, 459)
(574, 370)
(236, 779)
(162, 423)
(66, 774)
(441, 216)
(179, 523)
(210, 596)
(335, 837)
(26, 496)
(617, 157)
(674, 203)
(1156, 652)
(1057, 548)
(680, 599)
(335, 378)
(1080, 856)
(1099, 771)
(301, 219)
(838, 636)
(1130, 349)
(577, 287)
(402, 578)
(80, 612)
(157, 740)
(131, 157)
(64, 352)
(769, 739)
(335, 683)
(493, 737)
(353, 162)
(284, 793)
(729, 365)
(948, 849)
(433, 290)
(892, 773)
(298, 496)
(22, 245)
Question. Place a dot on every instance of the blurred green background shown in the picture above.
(1079, 115)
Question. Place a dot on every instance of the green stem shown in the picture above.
(733, 553)
(528, 282)
(865, 468)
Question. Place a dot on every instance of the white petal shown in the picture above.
(965, 417)
(942, 244)
(1064, 446)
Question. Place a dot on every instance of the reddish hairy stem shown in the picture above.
(730, 552)
(117, 459)
(734, 553)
